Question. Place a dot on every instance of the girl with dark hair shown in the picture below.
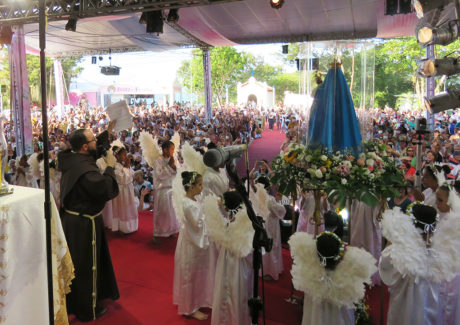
(124, 206)
(402, 201)
(191, 290)
(273, 260)
(423, 255)
(331, 275)
(230, 227)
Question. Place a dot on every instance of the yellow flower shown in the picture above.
(290, 156)
(328, 163)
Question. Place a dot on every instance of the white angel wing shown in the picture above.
(259, 201)
(193, 161)
(176, 140)
(117, 143)
(407, 252)
(178, 194)
(446, 245)
(150, 149)
(34, 165)
(342, 286)
(215, 221)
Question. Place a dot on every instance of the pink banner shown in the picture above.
(58, 81)
(20, 99)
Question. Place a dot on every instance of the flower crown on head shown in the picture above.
(336, 257)
(192, 179)
(428, 227)
(234, 211)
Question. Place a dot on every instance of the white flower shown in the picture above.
(308, 158)
(371, 176)
(344, 181)
(323, 158)
(347, 162)
(367, 171)
(370, 162)
(318, 174)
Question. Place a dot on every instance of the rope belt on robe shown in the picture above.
(93, 243)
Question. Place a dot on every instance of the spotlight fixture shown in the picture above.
(442, 35)
(5, 35)
(443, 102)
(276, 4)
(71, 24)
(153, 20)
(438, 67)
(173, 15)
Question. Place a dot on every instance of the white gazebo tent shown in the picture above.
(256, 92)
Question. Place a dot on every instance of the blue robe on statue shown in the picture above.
(333, 124)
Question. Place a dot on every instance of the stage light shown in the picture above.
(153, 20)
(5, 35)
(71, 24)
(439, 67)
(276, 4)
(442, 35)
(443, 102)
(173, 15)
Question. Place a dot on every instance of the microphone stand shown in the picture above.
(260, 240)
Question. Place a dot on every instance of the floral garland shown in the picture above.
(428, 227)
(336, 257)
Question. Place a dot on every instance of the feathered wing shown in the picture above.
(351, 273)
(235, 236)
(117, 143)
(176, 140)
(193, 161)
(446, 245)
(342, 286)
(259, 201)
(150, 149)
(178, 195)
(407, 252)
(34, 165)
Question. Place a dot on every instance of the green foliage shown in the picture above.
(228, 66)
(69, 66)
(285, 82)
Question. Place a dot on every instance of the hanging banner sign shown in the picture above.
(20, 98)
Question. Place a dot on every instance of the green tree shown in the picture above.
(227, 67)
(69, 66)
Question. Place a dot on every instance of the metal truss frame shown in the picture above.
(17, 12)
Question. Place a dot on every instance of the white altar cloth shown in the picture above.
(23, 275)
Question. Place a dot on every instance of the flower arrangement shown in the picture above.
(301, 167)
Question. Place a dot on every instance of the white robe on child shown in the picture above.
(193, 286)
(124, 207)
(273, 261)
(164, 219)
(325, 313)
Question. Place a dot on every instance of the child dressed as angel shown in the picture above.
(191, 289)
(331, 275)
(229, 226)
(423, 254)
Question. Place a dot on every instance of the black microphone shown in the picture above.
(219, 156)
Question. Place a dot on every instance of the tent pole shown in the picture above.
(47, 203)
(207, 82)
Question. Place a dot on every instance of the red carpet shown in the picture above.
(144, 272)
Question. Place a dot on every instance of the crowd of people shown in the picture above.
(149, 165)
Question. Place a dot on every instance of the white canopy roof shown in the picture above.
(243, 22)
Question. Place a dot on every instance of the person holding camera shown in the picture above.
(84, 192)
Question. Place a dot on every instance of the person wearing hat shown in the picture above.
(230, 228)
(422, 254)
(332, 276)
